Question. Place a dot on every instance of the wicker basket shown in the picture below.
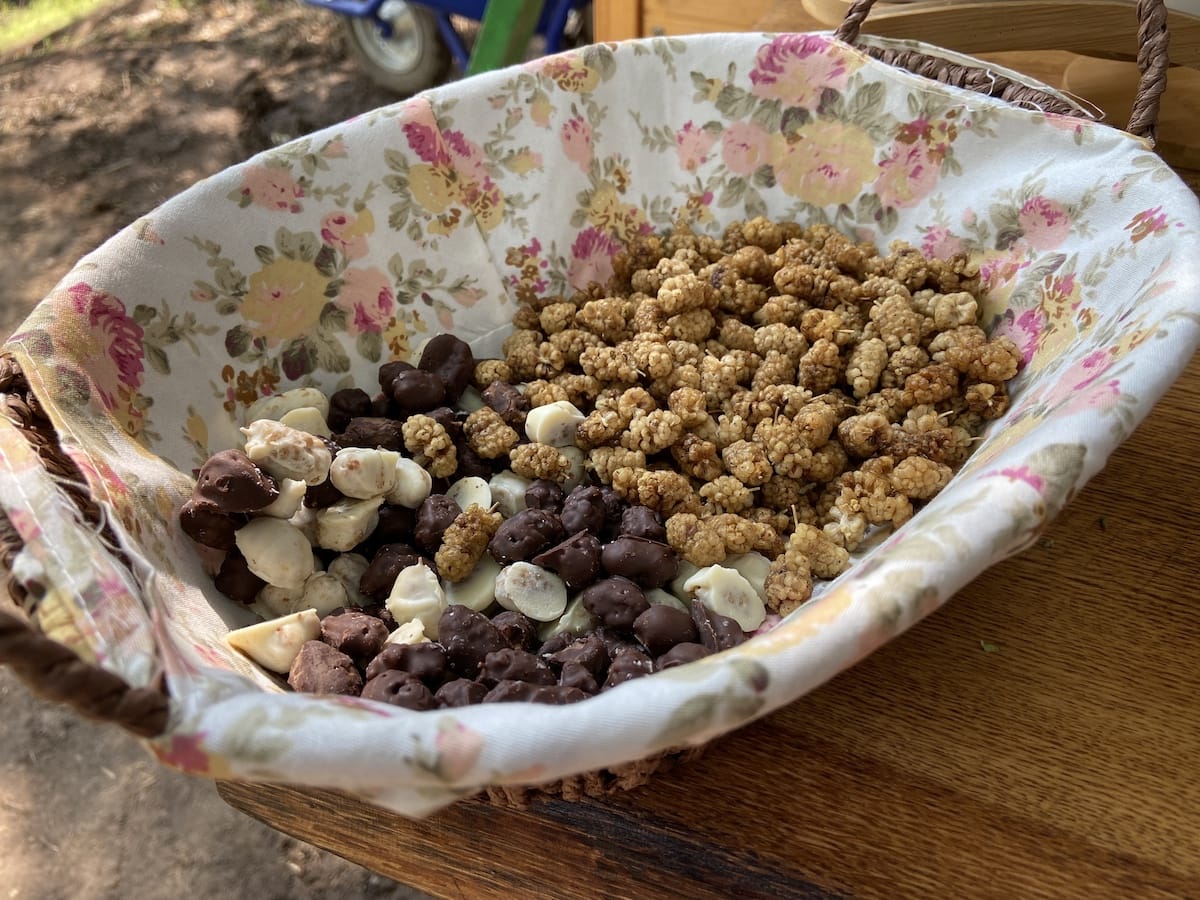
(57, 673)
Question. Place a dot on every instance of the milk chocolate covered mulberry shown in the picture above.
(389, 561)
(517, 628)
(680, 655)
(616, 601)
(399, 689)
(515, 665)
(575, 676)
(356, 634)
(647, 563)
(662, 627)
(426, 660)
(207, 524)
(347, 404)
(234, 484)
(468, 637)
(543, 494)
(716, 632)
(389, 370)
(628, 665)
(320, 669)
(415, 391)
(508, 402)
(236, 581)
(372, 432)
(434, 516)
(588, 651)
(584, 510)
(460, 692)
(450, 359)
(643, 522)
(576, 560)
(523, 536)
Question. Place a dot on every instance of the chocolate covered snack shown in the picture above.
(650, 472)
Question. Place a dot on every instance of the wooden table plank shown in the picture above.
(1065, 762)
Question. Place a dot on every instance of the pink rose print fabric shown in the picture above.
(314, 262)
(795, 69)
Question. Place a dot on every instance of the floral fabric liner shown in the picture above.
(313, 262)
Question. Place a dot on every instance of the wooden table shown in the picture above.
(1063, 762)
(1037, 737)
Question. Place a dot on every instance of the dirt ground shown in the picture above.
(98, 126)
(131, 107)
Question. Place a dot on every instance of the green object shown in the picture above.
(504, 34)
(24, 26)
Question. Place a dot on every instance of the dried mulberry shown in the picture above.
(784, 309)
(747, 462)
(609, 364)
(919, 478)
(694, 540)
(902, 363)
(996, 361)
(488, 435)
(865, 365)
(604, 461)
(605, 318)
(776, 368)
(651, 358)
(465, 541)
(693, 326)
(430, 445)
(581, 390)
(788, 585)
(557, 317)
(489, 370)
(571, 343)
(897, 322)
(662, 490)
(933, 384)
(543, 393)
(865, 435)
(688, 404)
(736, 334)
(726, 494)
(820, 368)
(600, 427)
(698, 458)
(539, 461)
(777, 337)
(825, 558)
(653, 432)
(684, 292)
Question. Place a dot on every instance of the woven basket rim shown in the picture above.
(57, 673)
(1153, 60)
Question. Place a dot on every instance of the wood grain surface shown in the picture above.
(1037, 737)
(674, 17)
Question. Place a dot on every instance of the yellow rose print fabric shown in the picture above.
(314, 262)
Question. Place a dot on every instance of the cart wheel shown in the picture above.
(412, 59)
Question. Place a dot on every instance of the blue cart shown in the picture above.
(407, 47)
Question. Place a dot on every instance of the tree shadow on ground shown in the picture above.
(97, 132)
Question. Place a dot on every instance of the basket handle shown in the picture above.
(1152, 60)
(54, 672)
(48, 668)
